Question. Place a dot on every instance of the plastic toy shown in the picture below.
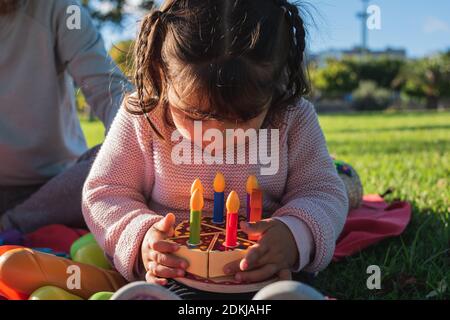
(24, 271)
(80, 242)
(352, 183)
(6, 291)
(102, 296)
(52, 293)
(93, 255)
(11, 237)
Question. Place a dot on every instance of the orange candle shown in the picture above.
(252, 183)
(256, 205)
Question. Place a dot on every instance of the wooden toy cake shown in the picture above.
(209, 257)
(208, 244)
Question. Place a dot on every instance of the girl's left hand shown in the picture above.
(275, 253)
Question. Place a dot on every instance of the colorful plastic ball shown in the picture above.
(352, 183)
(52, 293)
(80, 242)
(93, 255)
(102, 296)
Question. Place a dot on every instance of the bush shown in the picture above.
(334, 80)
(369, 97)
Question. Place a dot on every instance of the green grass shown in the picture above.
(408, 152)
(93, 131)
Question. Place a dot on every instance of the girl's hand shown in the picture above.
(157, 253)
(275, 253)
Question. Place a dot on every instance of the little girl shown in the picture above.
(231, 64)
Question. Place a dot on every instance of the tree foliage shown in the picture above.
(114, 11)
(427, 78)
(335, 79)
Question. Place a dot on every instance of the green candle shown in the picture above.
(196, 217)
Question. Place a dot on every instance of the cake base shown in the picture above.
(225, 284)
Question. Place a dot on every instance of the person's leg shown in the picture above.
(56, 202)
(288, 290)
(12, 196)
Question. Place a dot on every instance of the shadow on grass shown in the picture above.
(392, 129)
(413, 265)
(373, 146)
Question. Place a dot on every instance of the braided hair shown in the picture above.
(241, 54)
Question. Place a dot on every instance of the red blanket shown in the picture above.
(372, 222)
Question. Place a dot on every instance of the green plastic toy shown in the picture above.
(93, 255)
(81, 242)
(102, 296)
(52, 293)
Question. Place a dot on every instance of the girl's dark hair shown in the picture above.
(240, 55)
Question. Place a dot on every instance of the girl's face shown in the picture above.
(184, 117)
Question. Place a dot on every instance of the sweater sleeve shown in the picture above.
(81, 51)
(116, 191)
(314, 192)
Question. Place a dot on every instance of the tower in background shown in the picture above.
(363, 15)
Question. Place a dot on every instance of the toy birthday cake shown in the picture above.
(207, 259)
(208, 244)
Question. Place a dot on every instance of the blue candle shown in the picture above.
(219, 198)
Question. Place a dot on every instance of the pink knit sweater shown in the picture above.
(134, 182)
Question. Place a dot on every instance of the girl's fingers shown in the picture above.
(165, 224)
(263, 273)
(168, 260)
(256, 228)
(251, 260)
(163, 271)
(232, 267)
(163, 246)
(155, 280)
(253, 255)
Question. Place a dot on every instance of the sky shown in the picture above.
(421, 27)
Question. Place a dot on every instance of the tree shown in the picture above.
(122, 54)
(427, 78)
(381, 70)
(334, 80)
(114, 11)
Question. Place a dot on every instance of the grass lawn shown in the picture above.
(410, 153)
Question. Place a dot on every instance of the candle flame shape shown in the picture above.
(219, 182)
(233, 202)
(252, 183)
(197, 200)
(197, 184)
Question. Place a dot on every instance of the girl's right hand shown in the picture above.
(157, 253)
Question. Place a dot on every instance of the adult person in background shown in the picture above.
(44, 158)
